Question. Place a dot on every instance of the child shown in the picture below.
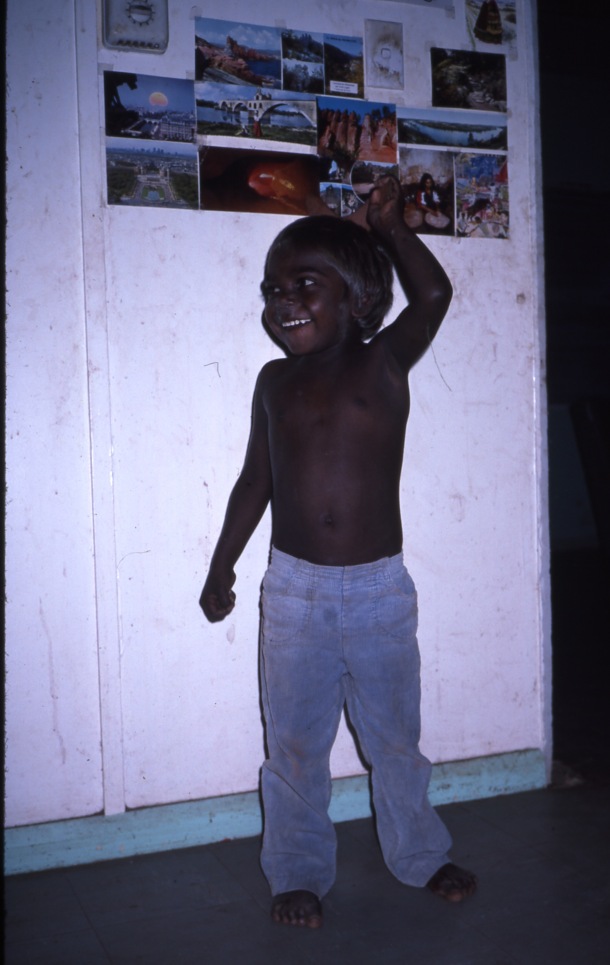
(339, 608)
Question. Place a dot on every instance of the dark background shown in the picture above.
(574, 63)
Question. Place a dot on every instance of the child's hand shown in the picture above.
(217, 598)
(385, 206)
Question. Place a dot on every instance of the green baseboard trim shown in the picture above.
(61, 844)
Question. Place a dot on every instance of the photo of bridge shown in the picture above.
(241, 111)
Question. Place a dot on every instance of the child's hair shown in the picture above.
(353, 252)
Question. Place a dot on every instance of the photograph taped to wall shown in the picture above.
(430, 4)
(237, 53)
(451, 128)
(257, 181)
(468, 79)
(144, 107)
(365, 175)
(302, 62)
(481, 189)
(356, 130)
(428, 184)
(339, 197)
(345, 197)
(384, 54)
(344, 65)
(492, 22)
(229, 110)
(151, 175)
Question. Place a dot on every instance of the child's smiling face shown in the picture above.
(308, 306)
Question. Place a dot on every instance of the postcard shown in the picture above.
(384, 54)
(351, 130)
(460, 130)
(330, 194)
(428, 183)
(468, 79)
(343, 65)
(237, 53)
(257, 181)
(481, 187)
(302, 62)
(152, 174)
(340, 198)
(431, 4)
(231, 110)
(143, 107)
(492, 22)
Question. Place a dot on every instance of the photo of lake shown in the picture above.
(450, 128)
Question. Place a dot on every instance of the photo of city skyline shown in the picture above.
(159, 176)
(144, 107)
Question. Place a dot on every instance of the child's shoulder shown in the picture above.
(271, 372)
(275, 368)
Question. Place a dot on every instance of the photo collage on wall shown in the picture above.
(276, 121)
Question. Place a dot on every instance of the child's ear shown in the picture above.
(361, 304)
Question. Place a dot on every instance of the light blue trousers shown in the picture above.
(336, 636)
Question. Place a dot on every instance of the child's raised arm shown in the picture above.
(247, 503)
(422, 278)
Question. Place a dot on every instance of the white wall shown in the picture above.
(52, 709)
(134, 341)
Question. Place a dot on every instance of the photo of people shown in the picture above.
(237, 53)
(481, 196)
(148, 108)
(427, 180)
(468, 79)
(260, 113)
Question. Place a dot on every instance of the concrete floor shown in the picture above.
(542, 859)
(544, 897)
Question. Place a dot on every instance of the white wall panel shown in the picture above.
(175, 344)
(53, 753)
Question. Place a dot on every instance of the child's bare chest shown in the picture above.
(353, 399)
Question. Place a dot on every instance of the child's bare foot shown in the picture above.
(297, 908)
(453, 883)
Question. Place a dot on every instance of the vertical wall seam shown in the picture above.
(541, 489)
(100, 409)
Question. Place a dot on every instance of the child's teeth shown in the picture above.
(297, 321)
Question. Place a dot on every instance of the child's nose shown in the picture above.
(287, 295)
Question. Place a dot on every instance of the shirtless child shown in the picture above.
(339, 608)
